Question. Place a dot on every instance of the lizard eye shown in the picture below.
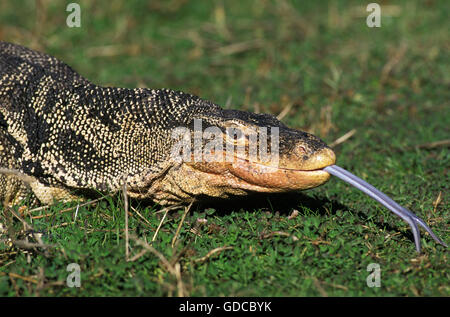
(235, 134)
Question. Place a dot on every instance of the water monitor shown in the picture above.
(66, 134)
(62, 136)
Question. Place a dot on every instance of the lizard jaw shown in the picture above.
(276, 179)
(191, 181)
(254, 176)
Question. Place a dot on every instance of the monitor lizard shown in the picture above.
(63, 137)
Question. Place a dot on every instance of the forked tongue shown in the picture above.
(382, 198)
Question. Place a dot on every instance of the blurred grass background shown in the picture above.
(320, 67)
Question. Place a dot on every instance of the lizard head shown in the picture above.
(228, 152)
(259, 153)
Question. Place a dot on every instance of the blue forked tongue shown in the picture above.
(382, 198)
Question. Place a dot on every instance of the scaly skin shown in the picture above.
(62, 137)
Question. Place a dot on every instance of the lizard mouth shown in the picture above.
(278, 178)
(259, 177)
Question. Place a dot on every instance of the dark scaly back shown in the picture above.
(52, 66)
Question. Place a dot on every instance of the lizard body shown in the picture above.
(68, 136)
(63, 138)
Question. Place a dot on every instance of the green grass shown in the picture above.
(389, 83)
